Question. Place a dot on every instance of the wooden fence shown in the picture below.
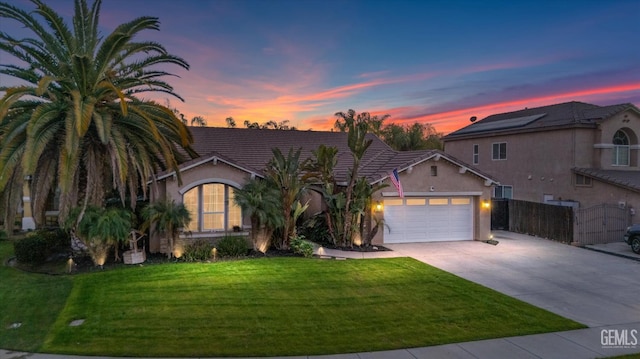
(541, 220)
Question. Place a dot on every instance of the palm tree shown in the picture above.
(113, 226)
(99, 229)
(77, 124)
(199, 121)
(357, 126)
(261, 203)
(231, 123)
(376, 124)
(168, 217)
(360, 207)
(321, 169)
(284, 174)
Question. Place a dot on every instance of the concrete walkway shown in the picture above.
(594, 288)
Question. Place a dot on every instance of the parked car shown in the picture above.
(632, 238)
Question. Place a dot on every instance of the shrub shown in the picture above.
(57, 239)
(3, 235)
(40, 244)
(302, 246)
(232, 246)
(316, 229)
(31, 249)
(199, 250)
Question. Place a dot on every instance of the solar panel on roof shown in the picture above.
(501, 124)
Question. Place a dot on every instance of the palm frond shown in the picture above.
(44, 128)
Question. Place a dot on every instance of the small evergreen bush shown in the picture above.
(232, 246)
(3, 235)
(40, 244)
(31, 249)
(299, 245)
(199, 250)
(57, 240)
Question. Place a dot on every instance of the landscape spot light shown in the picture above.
(70, 265)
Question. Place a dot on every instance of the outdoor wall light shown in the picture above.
(379, 206)
(486, 204)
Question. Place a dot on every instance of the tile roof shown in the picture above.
(251, 150)
(558, 115)
(626, 179)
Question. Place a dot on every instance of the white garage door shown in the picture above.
(428, 219)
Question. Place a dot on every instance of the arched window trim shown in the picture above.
(621, 151)
(191, 185)
(198, 216)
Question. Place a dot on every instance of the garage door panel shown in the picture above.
(439, 219)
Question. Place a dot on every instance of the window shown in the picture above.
(476, 154)
(460, 201)
(434, 171)
(583, 180)
(393, 202)
(503, 192)
(438, 201)
(212, 208)
(499, 151)
(620, 149)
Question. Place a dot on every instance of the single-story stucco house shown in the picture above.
(444, 198)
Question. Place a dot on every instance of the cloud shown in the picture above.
(455, 118)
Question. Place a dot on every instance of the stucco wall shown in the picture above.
(629, 122)
(600, 192)
(540, 163)
(448, 182)
(209, 172)
(536, 164)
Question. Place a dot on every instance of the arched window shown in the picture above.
(212, 208)
(620, 149)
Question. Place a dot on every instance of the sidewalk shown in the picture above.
(575, 344)
(620, 249)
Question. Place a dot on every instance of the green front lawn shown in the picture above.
(33, 300)
(261, 307)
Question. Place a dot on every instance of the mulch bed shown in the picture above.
(59, 265)
(372, 248)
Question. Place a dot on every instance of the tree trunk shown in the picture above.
(255, 228)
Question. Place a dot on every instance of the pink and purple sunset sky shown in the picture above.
(437, 62)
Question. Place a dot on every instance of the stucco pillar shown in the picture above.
(28, 223)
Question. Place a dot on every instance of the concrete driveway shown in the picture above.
(592, 288)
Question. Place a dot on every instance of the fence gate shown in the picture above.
(500, 214)
(603, 223)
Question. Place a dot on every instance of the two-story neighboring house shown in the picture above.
(570, 153)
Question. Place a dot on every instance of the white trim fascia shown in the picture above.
(205, 160)
(610, 146)
(603, 145)
(191, 185)
(403, 169)
(440, 156)
(432, 194)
